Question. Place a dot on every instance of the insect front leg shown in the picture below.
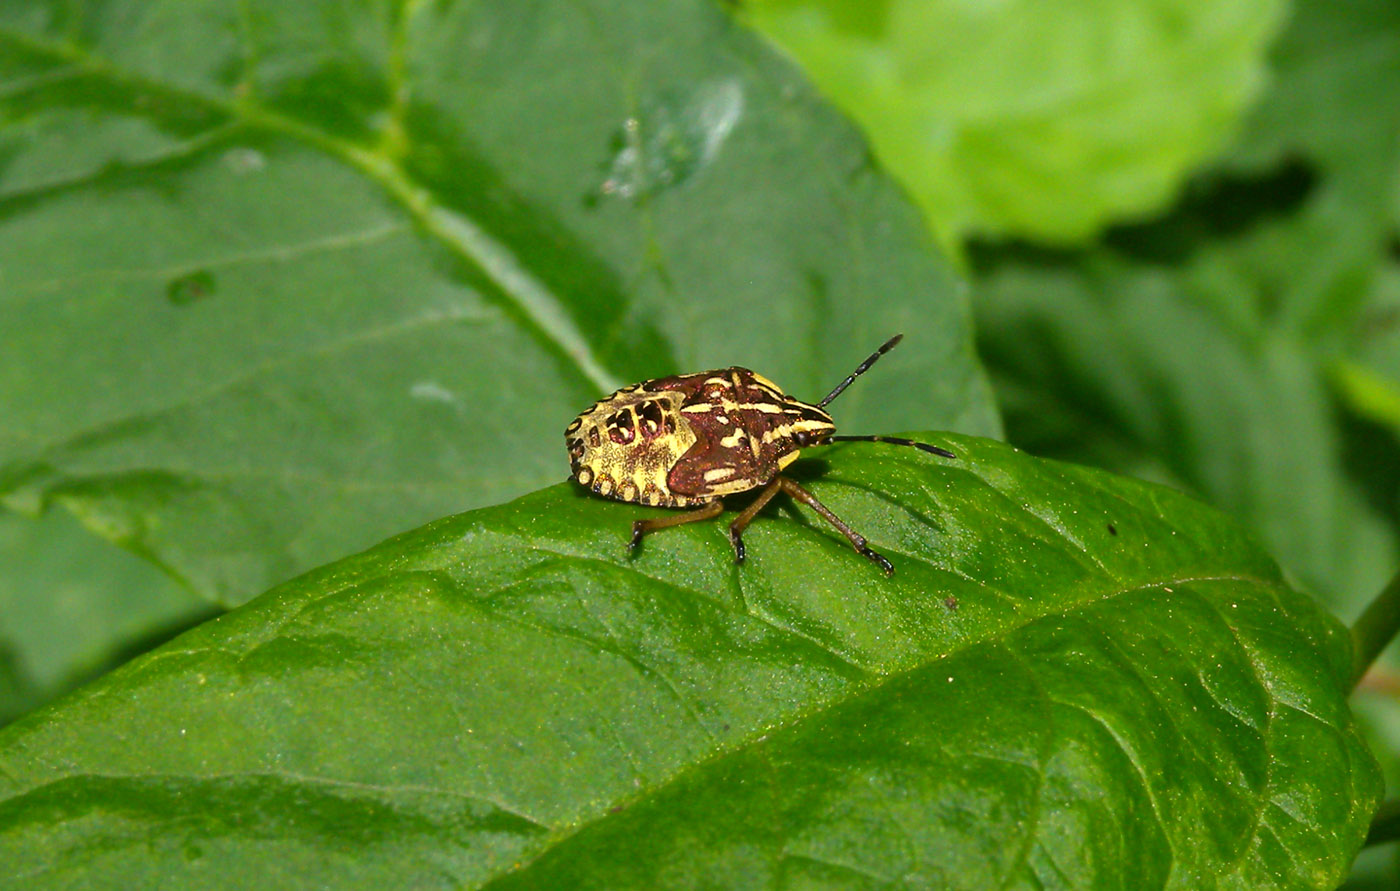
(642, 527)
(857, 540)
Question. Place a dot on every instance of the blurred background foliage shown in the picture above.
(1181, 222)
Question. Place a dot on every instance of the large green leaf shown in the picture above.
(1072, 680)
(1041, 118)
(279, 279)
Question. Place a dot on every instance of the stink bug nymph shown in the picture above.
(690, 439)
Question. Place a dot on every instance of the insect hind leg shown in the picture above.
(797, 493)
(642, 527)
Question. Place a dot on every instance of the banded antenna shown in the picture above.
(893, 440)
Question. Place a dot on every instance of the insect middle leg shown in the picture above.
(857, 540)
(642, 527)
(741, 522)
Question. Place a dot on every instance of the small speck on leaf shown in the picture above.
(190, 288)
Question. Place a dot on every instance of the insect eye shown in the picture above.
(802, 438)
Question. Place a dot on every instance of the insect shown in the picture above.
(689, 440)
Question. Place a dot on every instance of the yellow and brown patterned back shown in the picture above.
(689, 439)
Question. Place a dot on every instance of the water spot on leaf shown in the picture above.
(432, 391)
(191, 287)
(674, 136)
(245, 160)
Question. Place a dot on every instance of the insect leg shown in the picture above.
(857, 540)
(642, 527)
(741, 522)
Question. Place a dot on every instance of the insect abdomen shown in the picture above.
(623, 447)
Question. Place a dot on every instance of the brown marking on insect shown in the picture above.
(651, 420)
(622, 426)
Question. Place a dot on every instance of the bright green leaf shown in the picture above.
(1040, 119)
(1073, 679)
(280, 279)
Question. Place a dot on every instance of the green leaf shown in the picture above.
(1073, 679)
(282, 279)
(1044, 120)
(72, 605)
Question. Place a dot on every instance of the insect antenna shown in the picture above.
(864, 367)
(895, 440)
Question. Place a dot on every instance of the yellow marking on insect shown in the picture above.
(785, 460)
(697, 409)
(605, 485)
(766, 383)
(732, 487)
(718, 473)
(658, 484)
(732, 440)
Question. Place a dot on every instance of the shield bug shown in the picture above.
(691, 439)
